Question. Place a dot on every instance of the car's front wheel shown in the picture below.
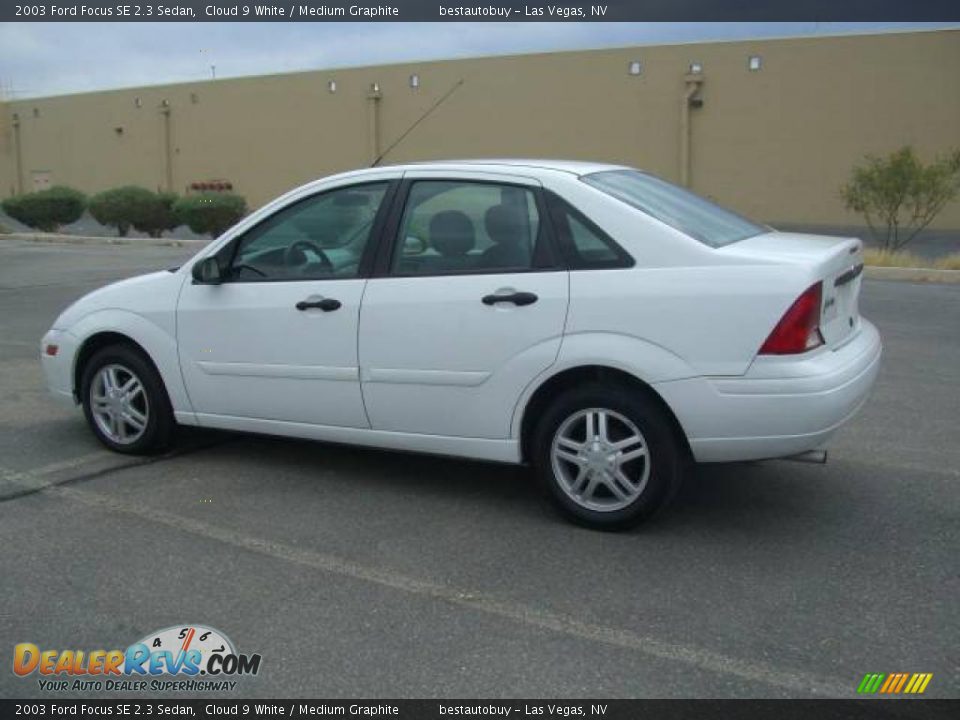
(125, 402)
(607, 456)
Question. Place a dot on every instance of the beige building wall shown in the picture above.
(775, 144)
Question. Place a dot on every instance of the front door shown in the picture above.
(466, 312)
(277, 339)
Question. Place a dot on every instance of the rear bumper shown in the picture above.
(781, 406)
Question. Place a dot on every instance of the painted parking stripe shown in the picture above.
(540, 618)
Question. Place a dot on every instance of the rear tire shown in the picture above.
(125, 402)
(608, 456)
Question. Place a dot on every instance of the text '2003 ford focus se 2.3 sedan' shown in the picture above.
(599, 323)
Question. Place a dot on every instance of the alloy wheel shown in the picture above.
(600, 459)
(119, 405)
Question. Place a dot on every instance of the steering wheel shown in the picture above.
(290, 258)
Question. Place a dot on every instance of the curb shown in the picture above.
(931, 275)
(86, 240)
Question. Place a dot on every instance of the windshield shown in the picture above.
(681, 209)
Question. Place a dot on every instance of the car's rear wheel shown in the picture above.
(125, 402)
(607, 456)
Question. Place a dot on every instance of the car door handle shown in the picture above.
(325, 304)
(517, 298)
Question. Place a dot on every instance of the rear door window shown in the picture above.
(452, 226)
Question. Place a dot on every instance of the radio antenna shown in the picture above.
(419, 120)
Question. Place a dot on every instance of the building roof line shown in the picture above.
(868, 32)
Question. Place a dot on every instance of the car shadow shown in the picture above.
(771, 496)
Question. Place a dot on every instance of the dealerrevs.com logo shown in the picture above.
(180, 658)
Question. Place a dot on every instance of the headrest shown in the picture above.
(505, 224)
(451, 233)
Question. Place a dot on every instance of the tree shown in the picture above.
(899, 196)
(210, 213)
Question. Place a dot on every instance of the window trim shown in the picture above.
(545, 246)
(559, 209)
(230, 250)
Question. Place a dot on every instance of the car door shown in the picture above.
(276, 339)
(466, 308)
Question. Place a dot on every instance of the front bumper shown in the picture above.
(781, 407)
(58, 369)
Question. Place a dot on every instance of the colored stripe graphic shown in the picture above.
(894, 683)
(870, 683)
(918, 683)
(903, 679)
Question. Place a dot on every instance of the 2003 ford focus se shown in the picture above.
(594, 321)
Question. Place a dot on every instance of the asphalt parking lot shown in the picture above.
(357, 573)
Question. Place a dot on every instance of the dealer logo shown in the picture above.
(186, 653)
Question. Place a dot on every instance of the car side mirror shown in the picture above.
(207, 272)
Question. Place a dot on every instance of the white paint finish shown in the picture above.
(759, 416)
(414, 331)
(506, 450)
(58, 374)
(297, 372)
(424, 377)
(441, 372)
(827, 259)
(714, 318)
(246, 351)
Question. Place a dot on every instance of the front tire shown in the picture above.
(607, 456)
(125, 402)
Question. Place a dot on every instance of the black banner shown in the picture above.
(474, 10)
(517, 709)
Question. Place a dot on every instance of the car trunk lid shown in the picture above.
(835, 261)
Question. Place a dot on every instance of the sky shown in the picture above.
(39, 59)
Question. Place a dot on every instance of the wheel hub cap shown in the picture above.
(118, 403)
(600, 459)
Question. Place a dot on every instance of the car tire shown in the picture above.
(608, 456)
(125, 401)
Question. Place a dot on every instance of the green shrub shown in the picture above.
(137, 207)
(210, 213)
(47, 210)
(116, 206)
(157, 215)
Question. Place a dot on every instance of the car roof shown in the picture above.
(512, 165)
(576, 167)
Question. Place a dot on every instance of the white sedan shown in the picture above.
(591, 320)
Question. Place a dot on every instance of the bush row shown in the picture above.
(128, 207)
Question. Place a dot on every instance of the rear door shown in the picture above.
(467, 307)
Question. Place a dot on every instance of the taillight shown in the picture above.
(799, 328)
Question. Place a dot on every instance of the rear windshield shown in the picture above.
(681, 209)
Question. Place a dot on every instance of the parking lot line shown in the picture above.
(700, 658)
(15, 483)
